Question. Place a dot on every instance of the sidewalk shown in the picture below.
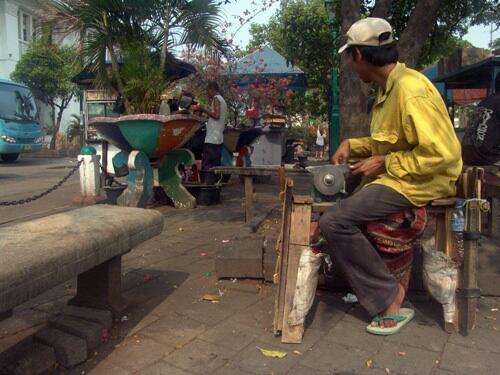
(170, 330)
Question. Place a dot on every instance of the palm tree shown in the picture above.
(183, 22)
(156, 25)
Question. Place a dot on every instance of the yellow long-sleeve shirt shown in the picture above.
(411, 126)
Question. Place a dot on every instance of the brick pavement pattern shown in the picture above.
(171, 330)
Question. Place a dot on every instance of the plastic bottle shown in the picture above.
(458, 227)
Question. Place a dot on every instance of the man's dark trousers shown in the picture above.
(375, 287)
(210, 158)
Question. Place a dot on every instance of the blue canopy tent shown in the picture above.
(266, 63)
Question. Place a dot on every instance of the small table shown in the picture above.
(249, 172)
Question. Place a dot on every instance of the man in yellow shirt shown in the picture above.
(413, 155)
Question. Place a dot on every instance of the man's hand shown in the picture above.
(371, 167)
(341, 156)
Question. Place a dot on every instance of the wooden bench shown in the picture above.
(87, 242)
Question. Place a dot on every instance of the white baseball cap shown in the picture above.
(367, 32)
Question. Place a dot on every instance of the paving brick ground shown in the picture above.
(170, 330)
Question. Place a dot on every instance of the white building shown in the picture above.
(19, 22)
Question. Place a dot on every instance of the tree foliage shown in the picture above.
(267, 92)
(47, 69)
(300, 32)
(122, 27)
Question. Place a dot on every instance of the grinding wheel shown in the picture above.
(330, 179)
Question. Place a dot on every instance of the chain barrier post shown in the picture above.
(91, 191)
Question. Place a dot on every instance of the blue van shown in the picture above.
(20, 129)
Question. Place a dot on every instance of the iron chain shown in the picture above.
(46, 192)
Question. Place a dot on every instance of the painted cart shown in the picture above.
(150, 154)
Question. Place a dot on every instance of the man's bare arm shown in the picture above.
(216, 113)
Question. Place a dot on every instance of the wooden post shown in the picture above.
(468, 291)
(282, 259)
(248, 198)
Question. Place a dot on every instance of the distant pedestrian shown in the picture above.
(320, 143)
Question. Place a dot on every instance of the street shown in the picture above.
(30, 176)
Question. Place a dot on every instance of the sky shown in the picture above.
(479, 36)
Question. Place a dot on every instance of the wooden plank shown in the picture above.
(282, 178)
(444, 202)
(302, 199)
(248, 198)
(282, 261)
(322, 206)
(272, 170)
(299, 237)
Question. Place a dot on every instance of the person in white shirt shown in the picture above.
(320, 143)
(212, 148)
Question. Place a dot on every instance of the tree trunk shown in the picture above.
(352, 99)
(422, 20)
(116, 74)
(55, 129)
(382, 9)
(166, 33)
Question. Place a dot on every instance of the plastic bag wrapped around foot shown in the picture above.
(440, 276)
(307, 281)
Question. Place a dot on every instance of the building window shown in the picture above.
(27, 26)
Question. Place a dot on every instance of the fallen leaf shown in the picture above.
(211, 297)
(387, 370)
(402, 354)
(272, 353)
(203, 254)
(369, 363)
(297, 352)
(181, 229)
(225, 241)
(494, 309)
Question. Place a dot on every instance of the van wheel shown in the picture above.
(9, 158)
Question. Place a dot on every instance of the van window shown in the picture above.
(17, 104)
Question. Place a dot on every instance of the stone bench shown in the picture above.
(87, 242)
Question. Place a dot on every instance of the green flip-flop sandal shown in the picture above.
(405, 315)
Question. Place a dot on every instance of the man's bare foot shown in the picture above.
(393, 309)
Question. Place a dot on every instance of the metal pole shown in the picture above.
(335, 120)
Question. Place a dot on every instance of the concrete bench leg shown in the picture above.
(101, 287)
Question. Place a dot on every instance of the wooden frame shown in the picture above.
(297, 212)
